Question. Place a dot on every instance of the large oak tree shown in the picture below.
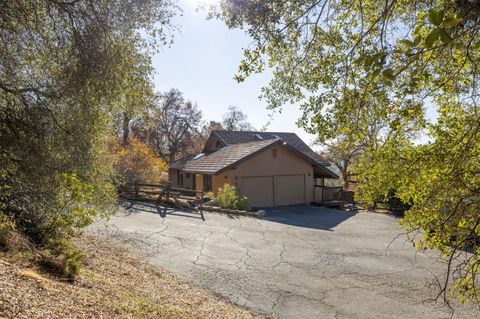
(66, 67)
(420, 55)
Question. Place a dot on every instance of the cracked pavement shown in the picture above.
(297, 262)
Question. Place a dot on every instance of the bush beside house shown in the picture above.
(228, 198)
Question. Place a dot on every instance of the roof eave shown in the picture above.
(304, 156)
(198, 172)
(223, 169)
(326, 173)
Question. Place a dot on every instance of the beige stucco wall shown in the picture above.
(199, 182)
(263, 164)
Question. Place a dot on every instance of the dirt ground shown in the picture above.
(114, 283)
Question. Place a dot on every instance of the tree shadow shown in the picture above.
(132, 207)
(308, 216)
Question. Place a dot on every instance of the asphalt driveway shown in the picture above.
(298, 262)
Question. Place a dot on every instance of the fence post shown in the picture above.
(136, 189)
(201, 205)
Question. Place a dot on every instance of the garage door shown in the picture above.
(290, 190)
(258, 189)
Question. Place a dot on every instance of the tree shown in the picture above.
(137, 162)
(412, 53)
(342, 157)
(199, 139)
(170, 125)
(364, 128)
(211, 126)
(236, 120)
(65, 68)
(134, 105)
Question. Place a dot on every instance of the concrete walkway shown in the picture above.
(298, 262)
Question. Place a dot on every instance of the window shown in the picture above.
(207, 183)
(180, 179)
(259, 137)
(188, 175)
(218, 144)
(274, 153)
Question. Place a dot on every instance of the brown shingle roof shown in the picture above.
(237, 137)
(179, 164)
(241, 145)
(226, 157)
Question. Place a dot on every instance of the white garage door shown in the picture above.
(290, 190)
(258, 189)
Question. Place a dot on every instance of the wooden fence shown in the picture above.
(165, 195)
(332, 196)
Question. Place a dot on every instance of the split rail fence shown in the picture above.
(163, 194)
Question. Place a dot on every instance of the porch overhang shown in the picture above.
(323, 172)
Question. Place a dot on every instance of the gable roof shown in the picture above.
(239, 146)
(293, 141)
(226, 157)
(179, 164)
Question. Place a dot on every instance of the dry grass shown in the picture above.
(112, 284)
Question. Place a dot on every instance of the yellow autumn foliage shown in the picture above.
(137, 161)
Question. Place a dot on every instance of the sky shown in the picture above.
(201, 63)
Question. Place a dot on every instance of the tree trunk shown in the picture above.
(346, 180)
(126, 128)
(172, 152)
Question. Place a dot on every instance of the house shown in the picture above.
(271, 169)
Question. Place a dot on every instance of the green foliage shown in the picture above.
(63, 259)
(65, 69)
(6, 223)
(78, 209)
(364, 73)
(242, 203)
(227, 197)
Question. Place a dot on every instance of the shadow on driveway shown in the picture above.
(308, 216)
(132, 207)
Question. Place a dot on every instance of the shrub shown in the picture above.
(243, 203)
(63, 259)
(227, 197)
(393, 203)
(137, 162)
(50, 228)
(10, 239)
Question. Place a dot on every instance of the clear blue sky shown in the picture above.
(202, 62)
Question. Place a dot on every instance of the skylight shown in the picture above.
(198, 156)
(258, 136)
